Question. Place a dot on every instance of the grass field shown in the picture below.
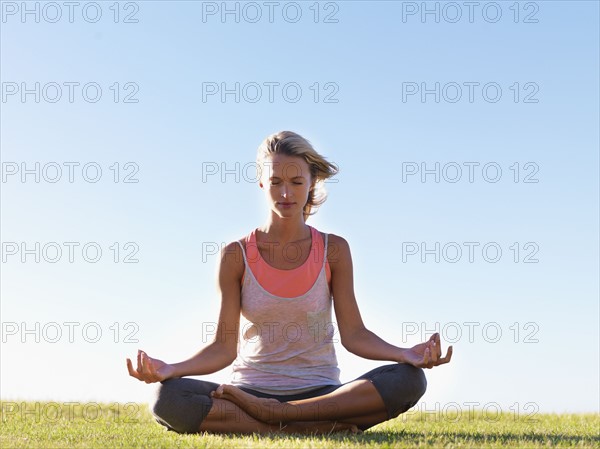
(93, 425)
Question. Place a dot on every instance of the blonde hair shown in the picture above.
(292, 144)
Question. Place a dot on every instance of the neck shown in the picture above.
(285, 229)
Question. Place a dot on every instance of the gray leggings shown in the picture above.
(182, 403)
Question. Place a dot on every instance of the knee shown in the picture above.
(411, 383)
(415, 378)
(164, 395)
(164, 406)
(178, 409)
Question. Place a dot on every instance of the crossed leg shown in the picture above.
(189, 405)
(226, 417)
(356, 402)
(185, 406)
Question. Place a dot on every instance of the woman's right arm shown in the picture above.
(222, 351)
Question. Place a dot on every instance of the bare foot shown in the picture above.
(267, 410)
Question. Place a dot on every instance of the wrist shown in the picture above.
(401, 355)
(175, 370)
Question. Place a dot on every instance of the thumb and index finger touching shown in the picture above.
(142, 365)
(433, 353)
(439, 360)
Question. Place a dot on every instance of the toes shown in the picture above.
(229, 390)
(218, 393)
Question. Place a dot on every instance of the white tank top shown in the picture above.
(285, 345)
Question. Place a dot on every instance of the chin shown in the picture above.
(286, 213)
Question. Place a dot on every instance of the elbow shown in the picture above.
(349, 349)
(230, 359)
(353, 342)
(225, 353)
(348, 344)
(227, 356)
(230, 354)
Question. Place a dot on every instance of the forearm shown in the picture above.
(368, 345)
(208, 360)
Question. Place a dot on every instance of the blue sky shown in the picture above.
(534, 110)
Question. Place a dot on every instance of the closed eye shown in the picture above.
(277, 183)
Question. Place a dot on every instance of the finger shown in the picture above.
(438, 345)
(144, 360)
(433, 354)
(141, 357)
(147, 368)
(445, 359)
(448, 356)
(151, 376)
(152, 369)
(139, 360)
(132, 372)
(426, 357)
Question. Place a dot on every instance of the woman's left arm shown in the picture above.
(355, 337)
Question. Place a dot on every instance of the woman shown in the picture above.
(277, 287)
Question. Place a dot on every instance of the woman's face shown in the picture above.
(286, 181)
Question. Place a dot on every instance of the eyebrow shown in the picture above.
(295, 177)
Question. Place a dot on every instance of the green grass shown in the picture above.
(54, 425)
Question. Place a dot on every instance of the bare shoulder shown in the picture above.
(338, 250)
(232, 260)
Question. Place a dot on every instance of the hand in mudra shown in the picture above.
(148, 369)
(427, 354)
